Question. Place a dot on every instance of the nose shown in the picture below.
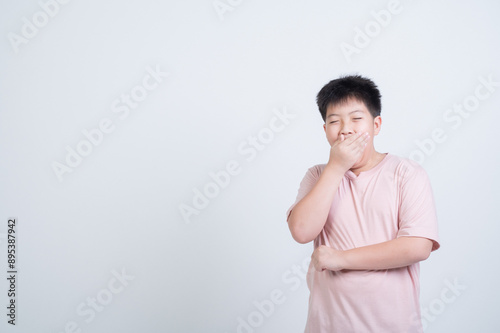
(346, 129)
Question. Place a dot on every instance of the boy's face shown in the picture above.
(350, 118)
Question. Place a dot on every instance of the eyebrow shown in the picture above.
(334, 114)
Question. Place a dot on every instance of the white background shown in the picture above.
(228, 74)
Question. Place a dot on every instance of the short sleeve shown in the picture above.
(417, 211)
(310, 179)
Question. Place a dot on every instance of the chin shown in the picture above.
(355, 165)
(359, 162)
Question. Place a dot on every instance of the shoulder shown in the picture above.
(405, 168)
(315, 171)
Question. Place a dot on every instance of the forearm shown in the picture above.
(399, 252)
(308, 217)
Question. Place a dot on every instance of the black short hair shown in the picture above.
(340, 90)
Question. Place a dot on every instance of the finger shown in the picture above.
(366, 140)
(362, 138)
(354, 138)
(340, 138)
(360, 146)
(347, 139)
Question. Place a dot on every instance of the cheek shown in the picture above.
(362, 127)
(334, 129)
(332, 137)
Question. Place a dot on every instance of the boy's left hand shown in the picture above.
(325, 257)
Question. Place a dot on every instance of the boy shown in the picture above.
(372, 218)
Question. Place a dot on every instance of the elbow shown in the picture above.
(423, 249)
(301, 239)
(426, 253)
(423, 255)
(299, 235)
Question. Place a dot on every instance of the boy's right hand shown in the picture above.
(345, 152)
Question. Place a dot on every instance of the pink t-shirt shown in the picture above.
(393, 199)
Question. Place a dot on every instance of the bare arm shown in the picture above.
(399, 252)
(309, 215)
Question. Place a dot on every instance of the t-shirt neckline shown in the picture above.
(368, 172)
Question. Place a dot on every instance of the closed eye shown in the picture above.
(336, 121)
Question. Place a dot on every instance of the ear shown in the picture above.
(377, 124)
(324, 127)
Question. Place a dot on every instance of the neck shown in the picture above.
(369, 162)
